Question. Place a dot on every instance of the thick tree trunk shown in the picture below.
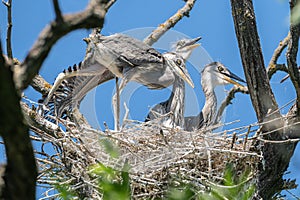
(276, 155)
(20, 172)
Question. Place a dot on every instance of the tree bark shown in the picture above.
(276, 156)
(291, 54)
(20, 172)
(262, 97)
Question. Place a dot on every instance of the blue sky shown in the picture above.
(210, 19)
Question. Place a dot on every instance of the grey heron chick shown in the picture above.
(213, 75)
(175, 104)
(112, 56)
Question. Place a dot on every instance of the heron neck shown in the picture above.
(176, 103)
(210, 107)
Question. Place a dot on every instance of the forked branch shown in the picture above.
(91, 17)
(273, 67)
(270, 177)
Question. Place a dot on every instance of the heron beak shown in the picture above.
(231, 77)
(187, 78)
(192, 43)
(184, 74)
(193, 46)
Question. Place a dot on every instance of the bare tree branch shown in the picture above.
(228, 100)
(8, 4)
(276, 156)
(91, 17)
(20, 172)
(262, 97)
(273, 67)
(292, 55)
(38, 122)
(40, 84)
(282, 45)
(109, 4)
(57, 11)
(293, 123)
(157, 33)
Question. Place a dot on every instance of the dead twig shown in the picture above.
(228, 99)
(273, 67)
(91, 17)
(164, 27)
(57, 11)
(8, 4)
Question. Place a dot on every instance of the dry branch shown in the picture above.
(250, 49)
(273, 66)
(40, 84)
(291, 55)
(228, 99)
(8, 4)
(20, 171)
(59, 17)
(91, 17)
(157, 33)
(266, 108)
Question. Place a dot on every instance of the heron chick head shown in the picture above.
(216, 73)
(185, 47)
(177, 64)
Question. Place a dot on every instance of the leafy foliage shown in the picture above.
(65, 192)
(112, 183)
(239, 187)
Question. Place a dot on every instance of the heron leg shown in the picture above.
(116, 98)
(117, 106)
(116, 103)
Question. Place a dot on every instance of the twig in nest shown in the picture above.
(246, 137)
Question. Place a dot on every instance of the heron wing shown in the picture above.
(193, 122)
(157, 111)
(132, 50)
(73, 90)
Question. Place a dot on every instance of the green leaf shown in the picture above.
(110, 148)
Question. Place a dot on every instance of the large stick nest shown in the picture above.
(157, 156)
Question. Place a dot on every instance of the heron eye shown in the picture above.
(220, 68)
(178, 62)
